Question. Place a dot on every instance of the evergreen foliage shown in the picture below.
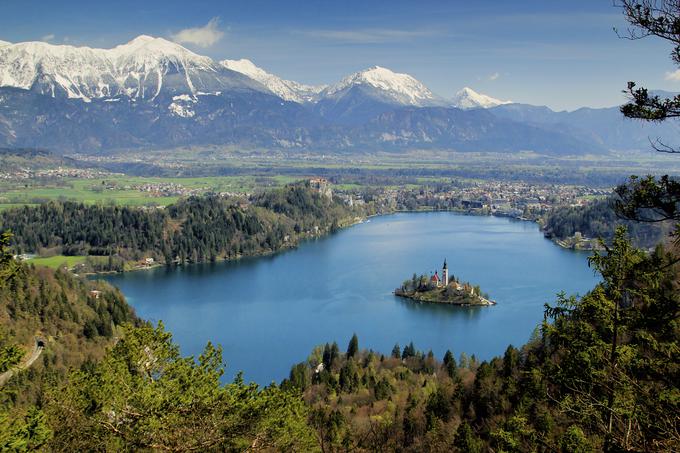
(197, 229)
(599, 219)
(652, 199)
(144, 395)
(353, 346)
(602, 373)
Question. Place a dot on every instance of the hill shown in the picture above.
(196, 229)
(599, 220)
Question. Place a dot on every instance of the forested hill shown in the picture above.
(68, 321)
(99, 385)
(598, 220)
(193, 230)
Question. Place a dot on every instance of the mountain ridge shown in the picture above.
(467, 98)
(151, 92)
(286, 89)
(140, 68)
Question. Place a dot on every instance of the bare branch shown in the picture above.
(661, 147)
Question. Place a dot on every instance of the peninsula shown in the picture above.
(443, 290)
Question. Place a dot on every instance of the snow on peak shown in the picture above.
(402, 88)
(136, 69)
(152, 45)
(467, 98)
(245, 66)
(4, 43)
(285, 89)
(142, 39)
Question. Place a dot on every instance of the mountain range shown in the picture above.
(154, 93)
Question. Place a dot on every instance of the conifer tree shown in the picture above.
(353, 346)
(651, 199)
(396, 351)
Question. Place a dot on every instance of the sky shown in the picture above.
(544, 52)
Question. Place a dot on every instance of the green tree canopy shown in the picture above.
(652, 199)
(144, 395)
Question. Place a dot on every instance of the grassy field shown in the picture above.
(58, 261)
(127, 190)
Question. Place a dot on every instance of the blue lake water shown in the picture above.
(269, 312)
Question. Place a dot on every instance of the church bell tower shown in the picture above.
(445, 273)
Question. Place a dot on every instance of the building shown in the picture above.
(435, 280)
(322, 186)
(438, 282)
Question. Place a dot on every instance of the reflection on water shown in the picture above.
(269, 312)
(435, 311)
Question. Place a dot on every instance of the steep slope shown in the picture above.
(399, 88)
(140, 69)
(467, 98)
(285, 89)
(75, 319)
(365, 94)
(250, 119)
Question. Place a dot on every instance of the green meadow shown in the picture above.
(58, 261)
(125, 190)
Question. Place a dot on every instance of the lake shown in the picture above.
(268, 313)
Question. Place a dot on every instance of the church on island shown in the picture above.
(435, 280)
(442, 288)
(443, 281)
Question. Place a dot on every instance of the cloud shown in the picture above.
(204, 36)
(48, 38)
(674, 76)
(368, 36)
(494, 76)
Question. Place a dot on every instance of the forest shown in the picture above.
(599, 219)
(196, 229)
(108, 381)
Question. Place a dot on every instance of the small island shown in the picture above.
(442, 290)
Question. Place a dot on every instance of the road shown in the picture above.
(27, 362)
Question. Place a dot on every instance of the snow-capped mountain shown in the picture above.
(390, 86)
(285, 89)
(151, 92)
(142, 68)
(467, 98)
